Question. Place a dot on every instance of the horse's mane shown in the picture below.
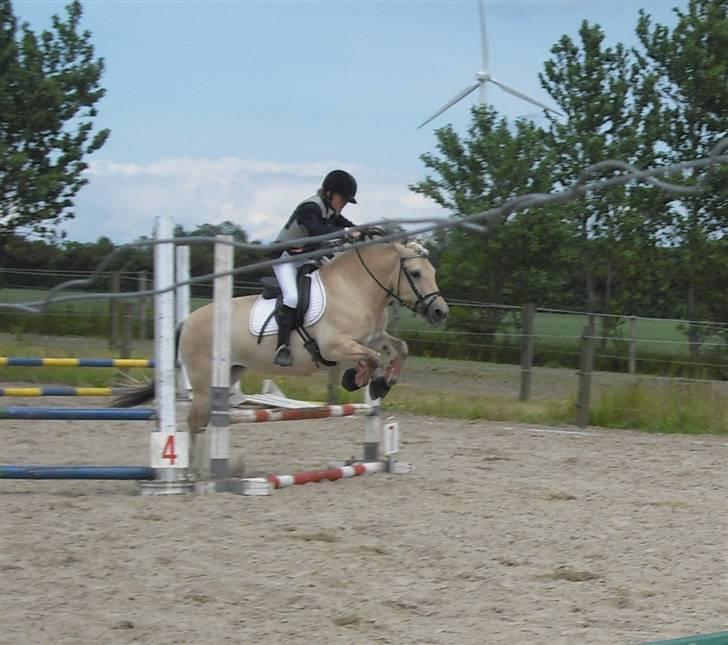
(405, 248)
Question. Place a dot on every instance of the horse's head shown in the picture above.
(415, 284)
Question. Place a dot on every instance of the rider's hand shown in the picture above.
(354, 235)
(375, 231)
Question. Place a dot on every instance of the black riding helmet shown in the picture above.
(340, 181)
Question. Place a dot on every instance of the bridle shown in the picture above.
(422, 303)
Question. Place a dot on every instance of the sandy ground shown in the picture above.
(504, 534)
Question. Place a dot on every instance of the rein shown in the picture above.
(422, 304)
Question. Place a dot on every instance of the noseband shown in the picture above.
(422, 303)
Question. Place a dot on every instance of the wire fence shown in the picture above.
(557, 332)
(504, 342)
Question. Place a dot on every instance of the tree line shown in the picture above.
(632, 249)
(28, 263)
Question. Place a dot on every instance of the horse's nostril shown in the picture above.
(440, 314)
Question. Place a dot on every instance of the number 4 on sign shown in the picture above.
(170, 450)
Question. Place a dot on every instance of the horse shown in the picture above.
(358, 283)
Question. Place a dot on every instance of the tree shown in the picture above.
(690, 65)
(518, 259)
(49, 86)
(594, 85)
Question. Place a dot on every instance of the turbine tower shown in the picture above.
(483, 77)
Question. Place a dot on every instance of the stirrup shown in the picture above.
(282, 357)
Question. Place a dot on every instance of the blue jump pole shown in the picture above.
(76, 472)
(81, 414)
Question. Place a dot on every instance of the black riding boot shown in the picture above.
(285, 317)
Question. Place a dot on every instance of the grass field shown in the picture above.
(443, 387)
(565, 330)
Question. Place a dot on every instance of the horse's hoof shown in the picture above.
(378, 388)
(348, 380)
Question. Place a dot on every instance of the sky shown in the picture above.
(236, 110)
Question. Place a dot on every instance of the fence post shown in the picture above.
(529, 314)
(632, 326)
(586, 365)
(127, 320)
(115, 288)
(332, 387)
(142, 286)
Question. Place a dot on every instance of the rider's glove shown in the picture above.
(375, 231)
(351, 235)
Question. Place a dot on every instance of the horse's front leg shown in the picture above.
(344, 349)
(397, 350)
(369, 370)
(384, 378)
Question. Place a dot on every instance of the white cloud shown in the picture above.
(122, 199)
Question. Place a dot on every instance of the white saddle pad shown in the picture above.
(262, 309)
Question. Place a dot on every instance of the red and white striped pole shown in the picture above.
(298, 414)
(262, 485)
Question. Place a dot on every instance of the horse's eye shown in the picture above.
(416, 275)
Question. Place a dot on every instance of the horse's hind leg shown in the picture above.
(380, 379)
(198, 416)
(236, 394)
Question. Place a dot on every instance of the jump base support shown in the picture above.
(161, 487)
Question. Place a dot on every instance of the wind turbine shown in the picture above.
(484, 76)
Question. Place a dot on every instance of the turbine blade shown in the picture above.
(523, 96)
(450, 103)
(483, 37)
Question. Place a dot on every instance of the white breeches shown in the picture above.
(286, 276)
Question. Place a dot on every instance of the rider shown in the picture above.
(317, 215)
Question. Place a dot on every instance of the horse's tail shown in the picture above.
(128, 396)
(139, 391)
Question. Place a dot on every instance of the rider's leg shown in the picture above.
(285, 316)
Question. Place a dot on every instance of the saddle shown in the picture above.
(272, 291)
